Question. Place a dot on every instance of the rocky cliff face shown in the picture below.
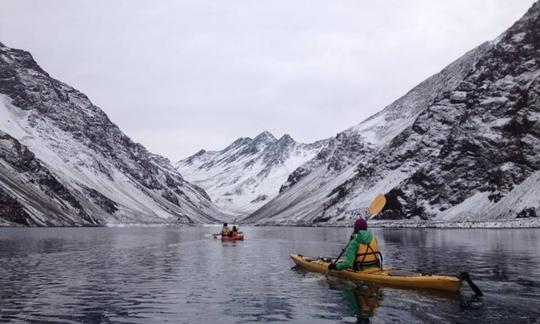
(63, 162)
(464, 144)
(249, 172)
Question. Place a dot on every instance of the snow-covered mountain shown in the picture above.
(462, 145)
(63, 162)
(249, 172)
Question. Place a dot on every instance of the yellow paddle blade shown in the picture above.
(377, 204)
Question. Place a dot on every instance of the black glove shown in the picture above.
(332, 266)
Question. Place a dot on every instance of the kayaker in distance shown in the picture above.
(229, 235)
(362, 251)
(225, 231)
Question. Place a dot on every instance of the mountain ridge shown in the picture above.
(79, 164)
(435, 121)
(249, 171)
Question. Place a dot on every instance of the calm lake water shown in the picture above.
(182, 275)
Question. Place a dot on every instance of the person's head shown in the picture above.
(234, 228)
(360, 225)
(225, 225)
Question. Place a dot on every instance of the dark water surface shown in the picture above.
(182, 275)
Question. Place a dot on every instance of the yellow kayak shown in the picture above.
(392, 277)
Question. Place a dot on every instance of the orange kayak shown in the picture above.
(233, 238)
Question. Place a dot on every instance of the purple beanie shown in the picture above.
(360, 225)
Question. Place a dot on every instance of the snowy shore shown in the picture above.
(514, 223)
(511, 223)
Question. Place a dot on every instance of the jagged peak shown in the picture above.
(238, 142)
(17, 58)
(286, 139)
(265, 136)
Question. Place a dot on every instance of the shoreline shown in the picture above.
(501, 224)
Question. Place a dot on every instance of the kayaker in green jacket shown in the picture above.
(362, 251)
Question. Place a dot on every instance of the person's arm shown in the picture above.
(351, 256)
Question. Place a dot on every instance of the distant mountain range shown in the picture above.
(64, 163)
(248, 173)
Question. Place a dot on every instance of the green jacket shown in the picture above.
(356, 239)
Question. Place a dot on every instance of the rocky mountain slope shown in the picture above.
(249, 172)
(462, 145)
(63, 162)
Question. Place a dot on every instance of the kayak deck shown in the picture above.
(393, 277)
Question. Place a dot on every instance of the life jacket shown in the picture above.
(367, 254)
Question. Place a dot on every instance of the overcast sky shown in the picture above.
(179, 76)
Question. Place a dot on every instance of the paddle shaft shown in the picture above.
(339, 256)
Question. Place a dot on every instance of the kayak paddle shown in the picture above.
(374, 208)
(339, 256)
(376, 205)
